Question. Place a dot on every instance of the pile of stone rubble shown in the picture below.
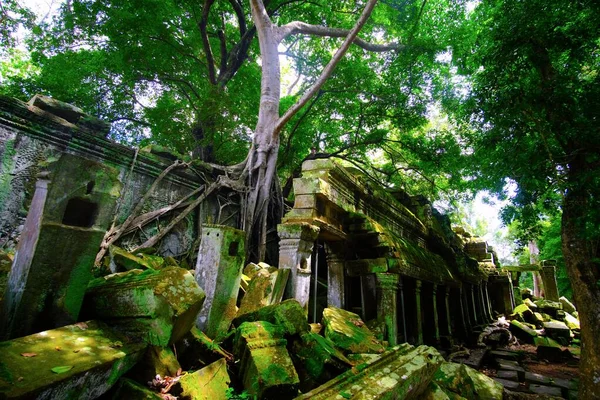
(140, 341)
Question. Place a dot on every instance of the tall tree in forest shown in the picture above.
(534, 105)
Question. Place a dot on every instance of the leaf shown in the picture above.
(29, 354)
(62, 369)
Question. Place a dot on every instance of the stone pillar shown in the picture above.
(219, 271)
(336, 293)
(387, 289)
(549, 280)
(488, 302)
(418, 284)
(402, 309)
(436, 331)
(485, 317)
(447, 303)
(295, 251)
(464, 311)
(476, 318)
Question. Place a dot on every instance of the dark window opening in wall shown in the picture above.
(80, 212)
(233, 248)
(90, 187)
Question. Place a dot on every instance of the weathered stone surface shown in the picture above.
(288, 314)
(545, 390)
(548, 307)
(258, 292)
(266, 367)
(126, 261)
(522, 331)
(547, 348)
(218, 272)
(158, 307)
(508, 384)
(558, 331)
(507, 355)
(348, 332)
(157, 361)
(571, 322)
(467, 382)
(196, 348)
(317, 360)
(208, 383)
(532, 306)
(537, 378)
(435, 392)
(402, 372)
(510, 375)
(80, 361)
(570, 384)
(131, 390)
(69, 214)
(567, 305)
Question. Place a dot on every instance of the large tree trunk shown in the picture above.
(584, 274)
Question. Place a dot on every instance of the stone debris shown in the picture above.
(348, 332)
(458, 379)
(81, 361)
(157, 307)
(208, 383)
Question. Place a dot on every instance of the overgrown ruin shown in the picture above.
(374, 294)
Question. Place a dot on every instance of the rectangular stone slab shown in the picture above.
(80, 361)
(400, 373)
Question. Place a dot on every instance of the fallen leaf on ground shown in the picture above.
(29, 354)
(62, 369)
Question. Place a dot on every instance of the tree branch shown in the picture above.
(298, 27)
(210, 60)
(328, 70)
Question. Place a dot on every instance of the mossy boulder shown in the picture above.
(289, 314)
(348, 332)
(567, 305)
(158, 307)
(522, 331)
(571, 322)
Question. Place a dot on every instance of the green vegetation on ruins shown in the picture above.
(438, 97)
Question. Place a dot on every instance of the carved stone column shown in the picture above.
(549, 280)
(485, 317)
(476, 318)
(464, 311)
(387, 289)
(418, 284)
(402, 309)
(336, 293)
(447, 303)
(436, 326)
(488, 302)
(295, 251)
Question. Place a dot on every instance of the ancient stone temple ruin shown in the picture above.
(374, 294)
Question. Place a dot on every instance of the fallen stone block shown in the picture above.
(558, 331)
(125, 261)
(567, 305)
(157, 307)
(403, 372)
(548, 349)
(522, 331)
(537, 378)
(80, 361)
(545, 390)
(467, 382)
(569, 384)
(571, 322)
(548, 307)
(348, 332)
(507, 355)
(508, 384)
(532, 306)
(265, 364)
(131, 390)
(288, 314)
(510, 375)
(317, 360)
(435, 392)
(208, 383)
(257, 294)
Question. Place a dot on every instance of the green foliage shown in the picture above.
(13, 16)
(231, 394)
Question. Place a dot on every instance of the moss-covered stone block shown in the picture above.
(467, 382)
(403, 372)
(522, 331)
(348, 332)
(265, 364)
(158, 307)
(208, 383)
(80, 361)
(288, 314)
(572, 322)
(156, 361)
